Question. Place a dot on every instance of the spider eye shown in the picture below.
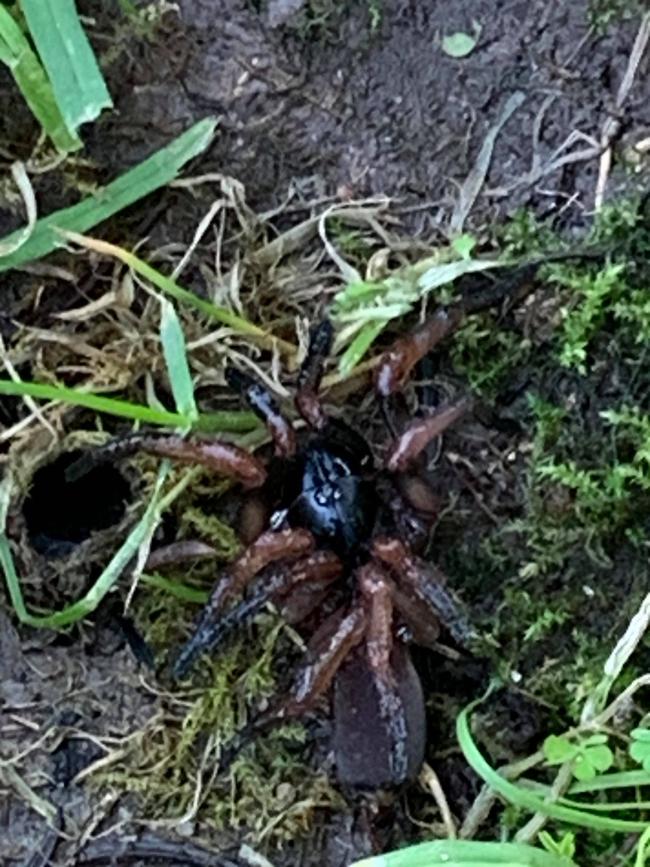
(341, 467)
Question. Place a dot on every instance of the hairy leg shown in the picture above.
(377, 599)
(311, 373)
(427, 583)
(417, 436)
(398, 361)
(275, 584)
(264, 406)
(268, 548)
(219, 457)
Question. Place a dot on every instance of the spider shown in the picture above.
(336, 552)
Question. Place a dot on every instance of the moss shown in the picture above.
(556, 582)
(270, 789)
(602, 13)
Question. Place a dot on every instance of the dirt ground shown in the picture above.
(329, 103)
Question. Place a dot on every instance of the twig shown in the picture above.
(428, 779)
(476, 178)
(612, 125)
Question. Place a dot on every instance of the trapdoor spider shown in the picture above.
(338, 552)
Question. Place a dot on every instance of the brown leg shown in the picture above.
(311, 373)
(265, 407)
(419, 434)
(268, 548)
(397, 362)
(308, 584)
(278, 583)
(327, 650)
(427, 583)
(219, 457)
(377, 598)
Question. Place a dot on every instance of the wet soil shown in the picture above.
(350, 106)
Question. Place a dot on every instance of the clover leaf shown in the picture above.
(640, 747)
(590, 756)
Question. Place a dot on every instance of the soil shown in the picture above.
(354, 104)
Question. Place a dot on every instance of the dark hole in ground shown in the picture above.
(61, 514)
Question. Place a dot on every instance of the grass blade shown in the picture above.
(29, 75)
(365, 308)
(26, 190)
(156, 171)
(466, 853)
(63, 47)
(525, 798)
(171, 288)
(180, 591)
(178, 370)
(234, 421)
(360, 345)
(140, 534)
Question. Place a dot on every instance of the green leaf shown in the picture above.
(566, 845)
(467, 853)
(440, 275)
(641, 734)
(460, 44)
(592, 740)
(29, 75)
(209, 422)
(360, 345)
(78, 85)
(365, 308)
(640, 752)
(600, 757)
(178, 370)
(527, 799)
(583, 769)
(158, 170)
(558, 750)
(464, 245)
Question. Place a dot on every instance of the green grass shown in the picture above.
(364, 308)
(213, 422)
(156, 171)
(77, 82)
(61, 81)
(31, 79)
(467, 853)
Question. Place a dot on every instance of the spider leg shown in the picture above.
(276, 584)
(264, 406)
(268, 548)
(311, 373)
(379, 717)
(378, 601)
(426, 583)
(223, 458)
(306, 585)
(399, 360)
(326, 650)
(417, 436)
